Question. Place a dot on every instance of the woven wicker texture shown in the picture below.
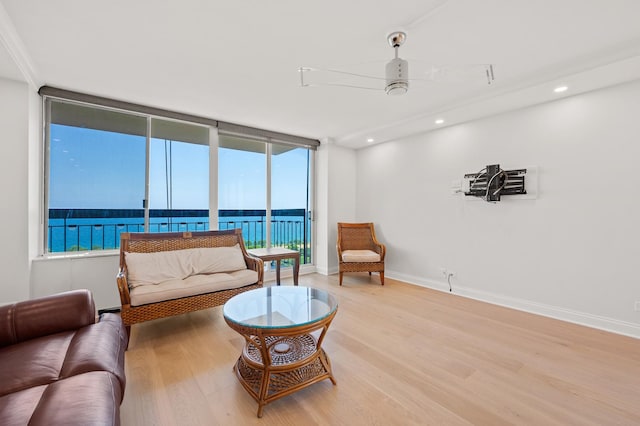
(284, 383)
(155, 242)
(284, 350)
(251, 377)
(359, 236)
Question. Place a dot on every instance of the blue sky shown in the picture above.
(106, 170)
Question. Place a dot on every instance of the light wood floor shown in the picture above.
(401, 355)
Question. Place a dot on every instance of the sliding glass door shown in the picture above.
(242, 188)
(264, 188)
(178, 177)
(96, 179)
(290, 195)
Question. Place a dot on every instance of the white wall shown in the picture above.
(94, 272)
(14, 189)
(35, 167)
(571, 253)
(21, 212)
(335, 200)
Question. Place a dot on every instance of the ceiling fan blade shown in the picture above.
(370, 76)
(398, 72)
(480, 73)
(329, 77)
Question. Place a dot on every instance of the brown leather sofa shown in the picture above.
(58, 365)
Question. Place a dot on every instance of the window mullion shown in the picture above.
(47, 244)
(268, 192)
(213, 178)
(147, 176)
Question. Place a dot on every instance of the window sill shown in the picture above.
(77, 255)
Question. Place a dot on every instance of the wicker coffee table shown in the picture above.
(280, 355)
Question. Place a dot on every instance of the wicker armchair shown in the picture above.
(359, 250)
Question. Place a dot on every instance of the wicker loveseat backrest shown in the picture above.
(168, 241)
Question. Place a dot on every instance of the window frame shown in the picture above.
(47, 103)
(50, 94)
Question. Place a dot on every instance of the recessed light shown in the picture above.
(439, 121)
(560, 89)
(370, 140)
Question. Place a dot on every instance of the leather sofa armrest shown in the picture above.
(46, 315)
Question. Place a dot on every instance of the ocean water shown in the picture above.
(82, 234)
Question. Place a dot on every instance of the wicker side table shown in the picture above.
(278, 254)
(280, 355)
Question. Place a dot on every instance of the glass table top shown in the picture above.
(279, 307)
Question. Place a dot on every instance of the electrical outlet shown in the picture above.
(451, 274)
(443, 271)
(636, 306)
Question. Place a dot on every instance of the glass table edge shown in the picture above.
(282, 327)
(286, 326)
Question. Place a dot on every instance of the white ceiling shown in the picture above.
(237, 60)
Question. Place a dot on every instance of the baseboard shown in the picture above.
(327, 271)
(410, 279)
(287, 272)
(582, 318)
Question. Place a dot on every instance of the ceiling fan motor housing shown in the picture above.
(397, 76)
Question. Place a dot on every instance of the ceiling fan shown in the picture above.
(395, 80)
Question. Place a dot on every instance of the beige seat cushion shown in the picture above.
(192, 285)
(360, 256)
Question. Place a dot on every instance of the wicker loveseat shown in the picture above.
(165, 274)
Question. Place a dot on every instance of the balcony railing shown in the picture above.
(73, 230)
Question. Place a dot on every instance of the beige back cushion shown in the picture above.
(154, 268)
(218, 259)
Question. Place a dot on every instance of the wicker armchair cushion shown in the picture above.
(156, 267)
(191, 286)
(360, 256)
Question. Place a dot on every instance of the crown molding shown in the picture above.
(12, 42)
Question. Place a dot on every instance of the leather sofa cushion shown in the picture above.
(51, 358)
(100, 347)
(18, 407)
(33, 363)
(87, 399)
